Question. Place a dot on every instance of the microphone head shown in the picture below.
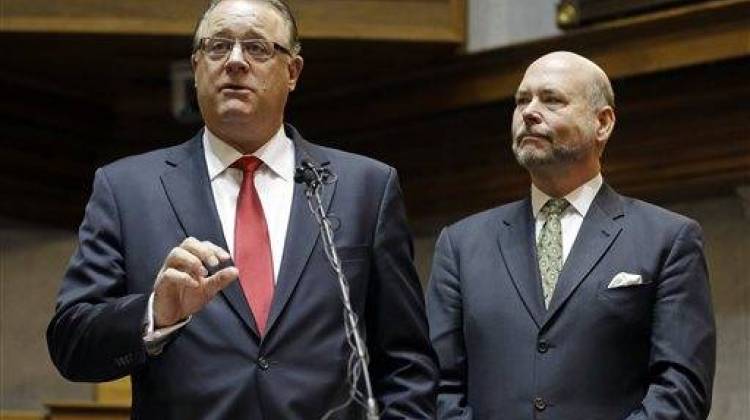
(305, 173)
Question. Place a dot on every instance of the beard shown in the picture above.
(553, 152)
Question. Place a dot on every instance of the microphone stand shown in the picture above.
(314, 177)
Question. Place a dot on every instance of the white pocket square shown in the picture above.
(625, 279)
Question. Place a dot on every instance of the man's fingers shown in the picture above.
(220, 280)
(220, 253)
(209, 253)
(192, 257)
(173, 276)
(204, 252)
(184, 260)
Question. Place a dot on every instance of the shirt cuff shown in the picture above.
(153, 338)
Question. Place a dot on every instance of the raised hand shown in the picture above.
(182, 287)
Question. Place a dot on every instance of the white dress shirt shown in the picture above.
(274, 181)
(580, 201)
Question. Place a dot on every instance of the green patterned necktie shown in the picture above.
(549, 247)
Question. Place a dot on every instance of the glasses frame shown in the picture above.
(275, 47)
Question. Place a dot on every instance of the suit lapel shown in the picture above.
(516, 240)
(598, 230)
(303, 230)
(189, 192)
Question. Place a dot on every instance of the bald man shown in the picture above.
(575, 303)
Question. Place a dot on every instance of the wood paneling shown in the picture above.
(406, 21)
(663, 41)
(115, 392)
(78, 101)
(679, 134)
(20, 415)
(86, 410)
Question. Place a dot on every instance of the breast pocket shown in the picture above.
(353, 253)
(633, 303)
(355, 262)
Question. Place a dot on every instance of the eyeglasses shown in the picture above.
(253, 49)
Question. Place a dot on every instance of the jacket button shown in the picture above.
(540, 404)
(542, 346)
(263, 363)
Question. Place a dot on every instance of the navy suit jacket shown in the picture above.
(217, 366)
(638, 352)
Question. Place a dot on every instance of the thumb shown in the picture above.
(221, 279)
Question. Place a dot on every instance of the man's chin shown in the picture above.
(535, 158)
(237, 114)
(530, 161)
(530, 157)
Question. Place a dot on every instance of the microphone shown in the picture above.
(304, 174)
(313, 175)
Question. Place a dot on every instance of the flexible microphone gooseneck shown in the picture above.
(314, 177)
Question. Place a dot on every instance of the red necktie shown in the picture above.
(252, 246)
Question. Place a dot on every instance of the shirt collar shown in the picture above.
(277, 154)
(580, 199)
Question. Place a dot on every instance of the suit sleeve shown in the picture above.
(445, 314)
(403, 365)
(683, 339)
(96, 333)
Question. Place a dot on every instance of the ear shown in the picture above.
(193, 61)
(295, 70)
(605, 123)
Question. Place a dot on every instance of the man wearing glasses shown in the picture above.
(199, 270)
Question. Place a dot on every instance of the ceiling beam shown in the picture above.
(406, 20)
(677, 38)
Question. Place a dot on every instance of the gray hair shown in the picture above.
(280, 6)
(601, 93)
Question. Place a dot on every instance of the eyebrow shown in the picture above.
(543, 91)
(550, 91)
(252, 33)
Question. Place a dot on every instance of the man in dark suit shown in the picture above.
(576, 302)
(200, 271)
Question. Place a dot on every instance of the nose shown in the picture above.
(236, 61)
(530, 113)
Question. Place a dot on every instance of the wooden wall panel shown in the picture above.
(678, 135)
(405, 20)
(78, 101)
(665, 41)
